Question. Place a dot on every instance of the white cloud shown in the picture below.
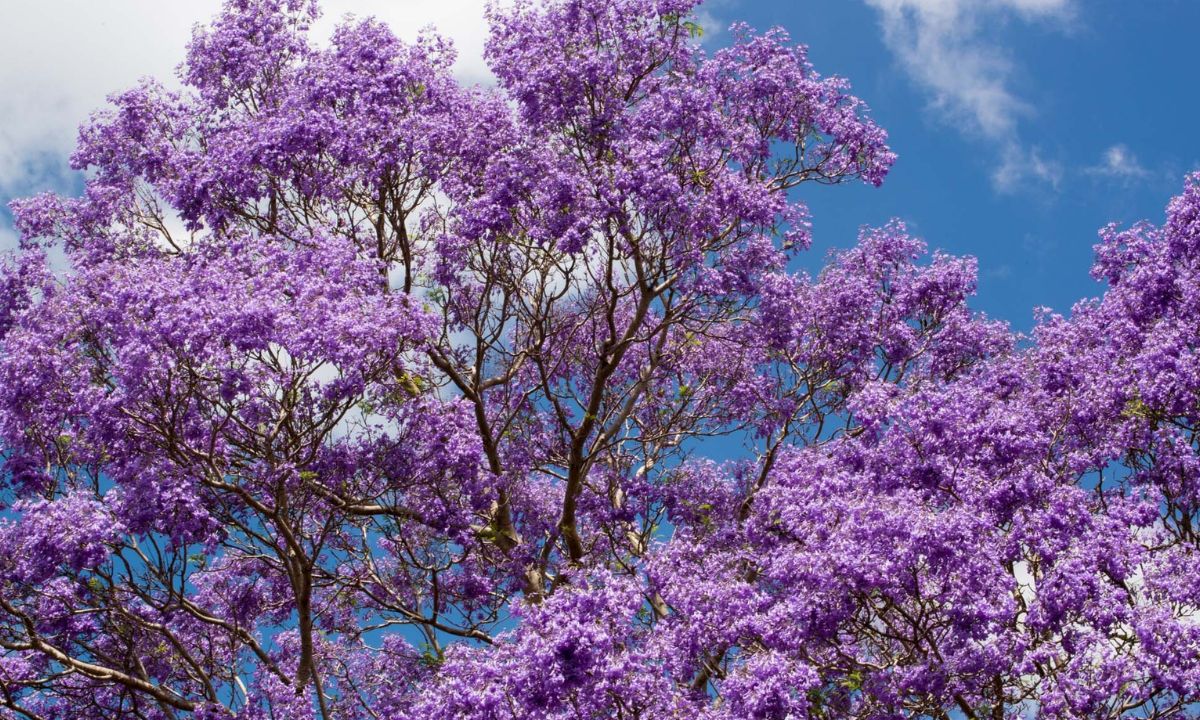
(1018, 165)
(1120, 163)
(943, 46)
(8, 239)
(460, 20)
(63, 57)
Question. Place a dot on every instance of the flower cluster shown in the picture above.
(368, 395)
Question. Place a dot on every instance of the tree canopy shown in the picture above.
(366, 395)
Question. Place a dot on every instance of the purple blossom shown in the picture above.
(369, 395)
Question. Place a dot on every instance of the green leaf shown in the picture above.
(853, 681)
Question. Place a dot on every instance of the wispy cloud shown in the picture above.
(1120, 163)
(944, 47)
(1018, 165)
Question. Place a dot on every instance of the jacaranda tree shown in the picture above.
(365, 395)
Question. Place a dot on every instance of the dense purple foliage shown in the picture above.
(369, 396)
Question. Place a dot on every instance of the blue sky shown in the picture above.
(1022, 125)
(1091, 118)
